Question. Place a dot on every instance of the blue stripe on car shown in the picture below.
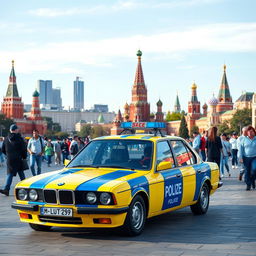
(44, 181)
(95, 183)
(201, 176)
(173, 188)
(139, 183)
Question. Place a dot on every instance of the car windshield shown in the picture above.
(125, 154)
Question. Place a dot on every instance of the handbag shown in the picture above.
(24, 164)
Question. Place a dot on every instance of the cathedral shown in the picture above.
(13, 107)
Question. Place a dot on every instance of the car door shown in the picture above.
(172, 178)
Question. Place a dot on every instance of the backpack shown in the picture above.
(73, 149)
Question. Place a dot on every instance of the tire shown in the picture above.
(37, 227)
(202, 204)
(136, 217)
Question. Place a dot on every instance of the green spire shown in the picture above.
(224, 93)
(139, 53)
(159, 103)
(101, 119)
(177, 104)
(12, 90)
(36, 93)
(12, 71)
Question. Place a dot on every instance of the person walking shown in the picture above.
(14, 147)
(213, 146)
(247, 156)
(233, 142)
(1, 153)
(57, 151)
(64, 150)
(36, 150)
(239, 141)
(48, 151)
(74, 147)
(196, 141)
(80, 143)
(226, 153)
(203, 145)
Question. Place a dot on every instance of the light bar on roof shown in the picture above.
(143, 125)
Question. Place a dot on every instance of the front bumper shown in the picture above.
(82, 217)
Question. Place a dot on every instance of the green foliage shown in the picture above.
(5, 124)
(61, 135)
(224, 128)
(174, 116)
(93, 131)
(193, 129)
(240, 119)
(85, 131)
(183, 130)
(51, 126)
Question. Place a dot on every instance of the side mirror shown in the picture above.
(66, 162)
(164, 166)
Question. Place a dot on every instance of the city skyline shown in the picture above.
(182, 42)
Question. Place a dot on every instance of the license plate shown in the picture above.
(52, 211)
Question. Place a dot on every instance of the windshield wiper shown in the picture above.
(81, 165)
(114, 166)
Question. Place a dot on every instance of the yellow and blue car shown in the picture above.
(119, 181)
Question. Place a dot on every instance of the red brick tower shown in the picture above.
(224, 97)
(35, 110)
(139, 109)
(159, 113)
(12, 106)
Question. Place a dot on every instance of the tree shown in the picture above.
(174, 116)
(194, 128)
(85, 131)
(224, 128)
(5, 124)
(61, 135)
(240, 119)
(183, 130)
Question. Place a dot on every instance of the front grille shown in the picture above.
(50, 196)
(61, 220)
(66, 197)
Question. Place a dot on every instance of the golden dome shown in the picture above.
(193, 86)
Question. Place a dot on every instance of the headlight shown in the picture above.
(22, 194)
(105, 198)
(91, 198)
(33, 196)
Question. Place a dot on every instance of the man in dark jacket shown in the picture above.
(14, 148)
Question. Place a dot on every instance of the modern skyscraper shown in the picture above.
(78, 94)
(44, 87)
(56, 96)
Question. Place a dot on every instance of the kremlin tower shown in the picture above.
(224, 97)
(12, 107)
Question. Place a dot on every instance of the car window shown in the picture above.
(183, 154)
(164, 153)
(129, 154)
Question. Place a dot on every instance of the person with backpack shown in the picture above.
(74, 147)
(36, 149)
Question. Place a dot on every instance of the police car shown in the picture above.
(119, 181)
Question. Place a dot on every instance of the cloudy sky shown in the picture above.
(182, 41)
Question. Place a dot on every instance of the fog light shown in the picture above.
(25, 215)
(102, 221)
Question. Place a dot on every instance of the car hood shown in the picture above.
(82, 179)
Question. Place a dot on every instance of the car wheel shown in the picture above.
(37, 227)
(202, 203)
(136, 217)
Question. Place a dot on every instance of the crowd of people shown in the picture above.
(209, 145)
(18, 152)
(219, 149)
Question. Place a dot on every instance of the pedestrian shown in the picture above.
(74, 147)
(226, 153)
(1, 153)
(202, 146)
(80, 143)
(57, 151)
(233, 142)
(65, 149)
(213, 146)
(239, 140)
(48, 151)
(36, 149)
(247, 155)
(14, 148)
(196, 141)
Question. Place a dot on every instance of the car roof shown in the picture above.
(147, 137)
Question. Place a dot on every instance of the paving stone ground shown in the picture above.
(229, 228)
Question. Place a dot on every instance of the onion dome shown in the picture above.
(193, 86)
(36, 93)
(213, 101)
(205, 106)
(138, 104)
(159, 103)
(139, 53)
(126, 106)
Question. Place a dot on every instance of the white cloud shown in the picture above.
(231, 37)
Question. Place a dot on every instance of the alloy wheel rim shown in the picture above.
(137, 215)
(204, 198)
